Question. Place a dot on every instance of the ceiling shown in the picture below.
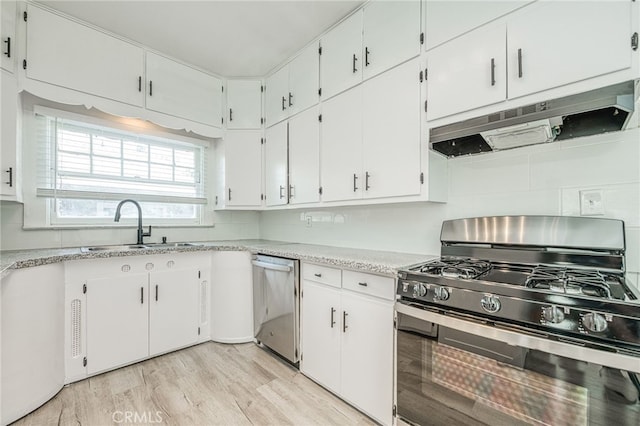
(233, 38)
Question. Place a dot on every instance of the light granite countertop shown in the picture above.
(381, 262)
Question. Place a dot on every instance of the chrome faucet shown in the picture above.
(141, 234)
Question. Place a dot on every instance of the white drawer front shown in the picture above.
(373, 285)
(322, 274)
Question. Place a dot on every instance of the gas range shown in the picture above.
(557, 277)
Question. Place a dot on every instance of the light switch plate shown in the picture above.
(591, 203)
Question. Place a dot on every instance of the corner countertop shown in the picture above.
(380, 262)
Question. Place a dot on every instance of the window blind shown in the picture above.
(83, 160)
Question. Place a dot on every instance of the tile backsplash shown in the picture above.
(536, 180)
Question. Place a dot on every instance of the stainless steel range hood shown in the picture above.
(598, 111)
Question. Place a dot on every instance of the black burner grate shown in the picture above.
(455, 267)
(572, 281)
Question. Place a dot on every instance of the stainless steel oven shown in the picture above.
(522, 320)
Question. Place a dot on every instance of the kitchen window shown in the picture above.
(85, 167)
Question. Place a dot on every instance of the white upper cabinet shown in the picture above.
(475, 63)
(10, 147)
(244, 104)
(512, 57)
(8, 34)
(304, 157)
(178, 90)
(243, 168)
(580, 40)
(304, 77)
(341, 60)
(391, 132)
(277, 96)
(65, 53)
(341, 147)
(293, 87)
(446, 19)
(391, 34)
(276, 182)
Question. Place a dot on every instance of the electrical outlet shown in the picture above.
(591, 202)
(309, 221)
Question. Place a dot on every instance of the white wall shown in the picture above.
(227, 226)
(542, 179)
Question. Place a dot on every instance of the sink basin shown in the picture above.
(113, 248)
(125, 247)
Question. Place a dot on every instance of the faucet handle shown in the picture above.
(147, 234)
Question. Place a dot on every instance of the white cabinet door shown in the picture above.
(276, 183)
(69, 54)
(117, 321)
(367, 355)
(468, 72)
(181, 91)
(445, 20)
(341, 61)
(580, 40)
(391, 34)
(320, 328)
(8, 34)
(173, 313)
(9, 145)
(391, 132)
(304, 157)
(304, 80)
(277, 96)
(341, 147)
(244, 104)
(243, 168)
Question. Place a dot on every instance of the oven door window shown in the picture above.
(449, 377)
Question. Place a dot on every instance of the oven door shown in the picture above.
(453, 370)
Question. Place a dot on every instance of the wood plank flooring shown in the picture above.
(207, 384)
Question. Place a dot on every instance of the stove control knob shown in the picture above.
(419, 290)
(441, 293)
(594, 322)
(490, 303)
(553, 314)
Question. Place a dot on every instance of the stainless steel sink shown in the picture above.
(126, 247)
(122, 247)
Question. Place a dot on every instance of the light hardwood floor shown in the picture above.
(207, 384)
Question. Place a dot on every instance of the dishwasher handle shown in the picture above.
(272, 266)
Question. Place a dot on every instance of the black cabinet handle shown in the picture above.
(333, 322)
(366, 181)
(355, 70)
(156, 292)
(519, 63)
(355, 178)
(493, 71)
(10, 182)
(366, 56)
(317, 275)
(290, 98)
(229, 194)
(8, 52)
(283, 101)
(142, 295)
(150, 88)
(344, 321)
(230, 114)
(363, 284)
(139, 83)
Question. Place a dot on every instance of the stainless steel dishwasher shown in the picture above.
(276, 307)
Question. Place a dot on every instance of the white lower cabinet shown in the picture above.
(347, 336)
(124, 309)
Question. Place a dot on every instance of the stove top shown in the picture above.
(557, 274)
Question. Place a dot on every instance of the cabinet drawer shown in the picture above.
(373, 285)
(322, 274)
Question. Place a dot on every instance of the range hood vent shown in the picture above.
(598, 111)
